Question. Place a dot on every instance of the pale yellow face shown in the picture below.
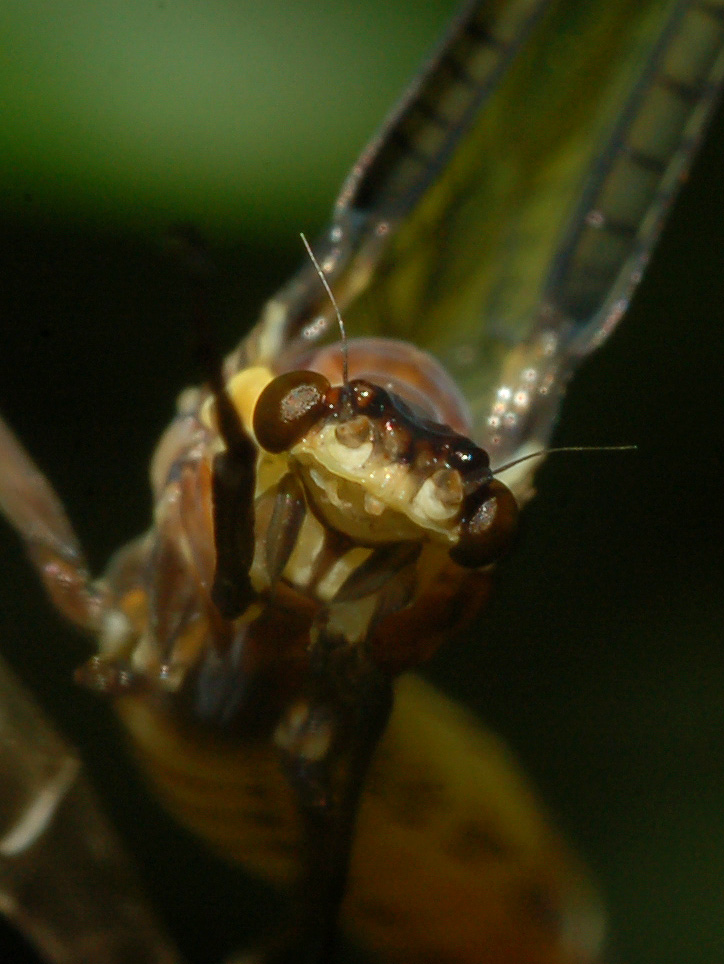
(371, 497)
(376, 464)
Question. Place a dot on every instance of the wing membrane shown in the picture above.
(504, 216)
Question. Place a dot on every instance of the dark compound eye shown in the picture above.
(487, 526)
(472, 462)
(288, 407)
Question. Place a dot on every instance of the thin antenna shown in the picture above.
(565, 448)
(345, 351)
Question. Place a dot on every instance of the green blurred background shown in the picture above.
(600, 660)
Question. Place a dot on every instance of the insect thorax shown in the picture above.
(373, 521)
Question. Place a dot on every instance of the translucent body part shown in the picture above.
(505, 215)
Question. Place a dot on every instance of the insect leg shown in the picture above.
(327, 742)
(30, 505)
(65, 881)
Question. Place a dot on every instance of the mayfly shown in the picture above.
(318, 531)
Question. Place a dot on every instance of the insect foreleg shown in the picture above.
(65, 881)
(327, 741)
(29, 503)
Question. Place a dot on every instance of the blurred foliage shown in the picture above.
(223, 112)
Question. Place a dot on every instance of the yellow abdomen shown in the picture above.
(453, 862)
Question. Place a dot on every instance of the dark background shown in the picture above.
(600, 660)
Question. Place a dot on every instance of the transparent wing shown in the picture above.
(506, 213)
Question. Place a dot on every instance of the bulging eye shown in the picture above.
(287, 408)
(489, 520)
